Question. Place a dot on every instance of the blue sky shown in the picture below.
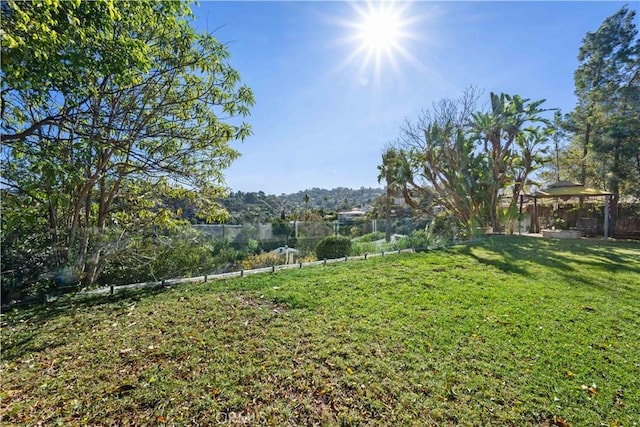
(324, 113)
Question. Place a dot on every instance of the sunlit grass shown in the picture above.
(509, 331)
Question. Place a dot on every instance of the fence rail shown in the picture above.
(113, 289)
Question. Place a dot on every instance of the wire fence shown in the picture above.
(113, 289)
(154, 255)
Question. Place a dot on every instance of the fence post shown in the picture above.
(365, 256)
(324, 263)
(205, 278)
(162, 282)
(382, 253)
(112, 290)
(346, 259)
(300, 265)
(273, 268)
(241, 273)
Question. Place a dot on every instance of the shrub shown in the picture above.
(307, 245)
(266, 259)
(560, 224)
(361, 248)
(166, 254)
(422, 239)
(371, 237)
(333, 247)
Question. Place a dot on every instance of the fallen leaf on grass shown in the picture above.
(592, 390)
(560, 422)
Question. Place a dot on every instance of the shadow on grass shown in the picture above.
(38, 315)
(514, 255)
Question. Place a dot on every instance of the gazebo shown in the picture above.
(565, 190)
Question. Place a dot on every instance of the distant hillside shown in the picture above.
(336, 199)
(261, 207)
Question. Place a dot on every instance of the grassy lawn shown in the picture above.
(507, 331)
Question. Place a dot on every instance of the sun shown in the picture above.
(380, 30)
(379, 33)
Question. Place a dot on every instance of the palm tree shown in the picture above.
(498, 130)
(306, 199)
(391, 172)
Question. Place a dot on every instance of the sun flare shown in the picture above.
(380, 30)
(381, 34)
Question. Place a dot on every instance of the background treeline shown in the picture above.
(252, 207)
(477, 161)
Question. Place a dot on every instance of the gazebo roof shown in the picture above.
(566, 189)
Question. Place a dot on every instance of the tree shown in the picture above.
(306, 199)
(443, 167)
(498, 131)
(462, 159)
(391, 171)
(607, 116)
(148, 118)
(53, 47)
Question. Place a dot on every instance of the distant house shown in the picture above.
(283, 250)
(352, 214)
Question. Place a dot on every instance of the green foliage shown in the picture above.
(112, 112)
(371, 237)
(333, 247)
(559, 224)
(307, 245)
(266, 259)
(460, 158)
(58, 45)
(27, 256)
(425, 239)
(282, 228)
(359, 247)
(164, 254)
(606, 119)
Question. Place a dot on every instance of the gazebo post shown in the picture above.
(536, 226)
(520, 215)
(606, 217)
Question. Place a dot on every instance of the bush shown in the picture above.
(333, 247)
(266, 259)
(166, 254)
(269, 259)
(361, 248)
(372, 237)
(307, 245)
(422, 239)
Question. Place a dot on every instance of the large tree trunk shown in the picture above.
(615, 189)
(585, 152)
(493, 211)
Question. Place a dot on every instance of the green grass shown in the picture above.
(508, 331)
